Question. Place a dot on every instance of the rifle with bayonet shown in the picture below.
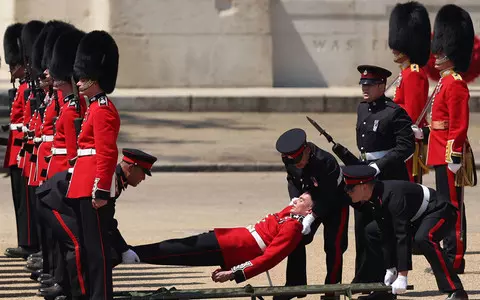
(342, 152)
(77, 121)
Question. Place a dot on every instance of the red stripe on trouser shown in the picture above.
(338, 245)
(28, 211)
(439, 252)
(77, 250)
(103, 255)
(458, 224)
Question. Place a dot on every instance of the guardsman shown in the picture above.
(399, 206)
(312, 169)
(409, 38)
(448, 149)
(385, 140)
(64, 148)
(14, 58)
(59, 215)
(92, 184)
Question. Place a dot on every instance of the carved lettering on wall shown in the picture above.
(336, 45)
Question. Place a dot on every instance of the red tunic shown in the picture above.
(65, 136)
(35, 126)
(94, 174)
(280, 233)
(449, 125)
(27, 118)
(15, 137)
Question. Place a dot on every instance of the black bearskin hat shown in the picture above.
(11, 47)
(410, 31)
(453, 35)
(64, 52)
(53, 30)
(97, 59)
(30, 32)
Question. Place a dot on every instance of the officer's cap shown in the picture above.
(139, 158)
(292, 142)
(373, 75)
(11, 45)
(358, 174)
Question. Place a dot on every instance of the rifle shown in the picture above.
(343, 153)
(392, 83)
(76, 96)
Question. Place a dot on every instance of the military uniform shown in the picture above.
(410, 34)
(399, 206)
(448, 148)
(93, 173)
(385, 140)
(322, 177)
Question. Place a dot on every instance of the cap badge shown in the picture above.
(365, 72)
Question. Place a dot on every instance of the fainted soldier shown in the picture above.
(448, 148)
(399, 206)
(14, 58)
(92, 184)
(409, 38)
(60, 217)
(241, 252)
(312, 169)
(385, 140)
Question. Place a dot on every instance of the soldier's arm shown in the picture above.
(282, 245)
(458, 114)
(416, 94)
(405, 141)
(69, 115)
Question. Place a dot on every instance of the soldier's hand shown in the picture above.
(418, 132)
(130, 257)
(454, 167)
(399, 286)
(390, 276)
(97, 203)
(222, 276)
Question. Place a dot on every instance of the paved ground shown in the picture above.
(172, 205)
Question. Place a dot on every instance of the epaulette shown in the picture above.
(103, 101)
(457, 76)
(414, 68)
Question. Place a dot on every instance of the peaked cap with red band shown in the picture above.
(373, 75)
(358, 174)
(292, 142)
(139, 158)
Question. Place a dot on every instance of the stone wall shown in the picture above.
(234, 43)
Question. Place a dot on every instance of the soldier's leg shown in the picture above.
(428, 236)
(32, 202)
(197, 250)
(335, 234)
(16, 181)
(374, 253)
(453, 242)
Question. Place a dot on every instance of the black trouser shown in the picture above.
(66, 231)
(34, 214)
(197, 250)
(455, 241)
(16, 180)
(335, 229)
(432, 229)
(26, 223)
(93, 225)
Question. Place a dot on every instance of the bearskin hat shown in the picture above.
(453, 35)
(11, 47)
(97, 59)
(64, 53)
(53, 30)
(410, 31)
(30, 32)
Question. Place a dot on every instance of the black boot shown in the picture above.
(19, 252)
(47, 282)
(458, 295)
(35, 274)
(51, 292)
(37, 265)
(35, 255)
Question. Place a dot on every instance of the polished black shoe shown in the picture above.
(379, 296)
(44, 276)
(35, 255)
(47, 282)
(37, 265)
(51, 292)
(62, 297)
(18, 252)
(458, 295)
(33, 259)
(35, 274)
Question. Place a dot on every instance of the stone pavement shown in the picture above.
(232, 141)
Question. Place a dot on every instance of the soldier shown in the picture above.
(59, 215)
(312, 169)
(409, 38)
(241, 252)
(399, 205)
(14, 58)
(448, 148)
(385, 140)
(92, 184)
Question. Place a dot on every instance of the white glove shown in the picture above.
(293, 199)
(418, 132)
(374, 165)
(307, 221)
(454, 167)
(24, 129)
(130, 257)
(390, 276)
(399, 286)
